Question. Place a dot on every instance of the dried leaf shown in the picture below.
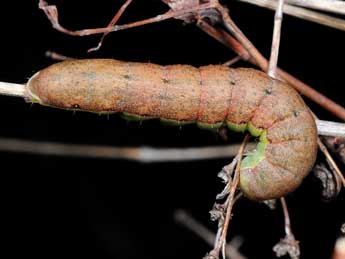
(287, 246)
(217, 212)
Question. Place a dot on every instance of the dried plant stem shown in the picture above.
(330, 160)
(226, 39)
(112, 23)
(140, 154)
(287, 245)
(329, 128)
(302, 13)
(11, 89)
(56, 56)
(287, 222)
(278, 18)
(232, 61)
(196, 227)
(221, 240)
(52, 14)
(333, 6)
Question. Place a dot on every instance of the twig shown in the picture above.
(140, 154)
(333, 6)
(232, 61)
(221, 240)
(226, 39)
(302, 13)
(288, 230)
(278, 18)
(11, 89)
(200, 230)
(330, 160)
(112, 23)
(287, 245)
(52, 14)
(329, 128)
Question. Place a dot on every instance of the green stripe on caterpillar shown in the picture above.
(211, 96)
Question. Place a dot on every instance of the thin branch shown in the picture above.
(52, 14)
(200, 230)
(287, 245)
(333, 6)
(232, 61)
(278, 18)
(56, 56)
(226, 39)
(140, 154)
(221, 239)
(112, 23)
(330, 128)
(11, 89)
(302, 13)
(287, 223)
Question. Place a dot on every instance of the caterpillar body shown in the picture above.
(211, 96)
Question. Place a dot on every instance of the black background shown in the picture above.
(60, 206)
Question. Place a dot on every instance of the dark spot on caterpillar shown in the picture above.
(165, 81)
(232, 82)
(268, 91)
(75, 106)
(295, 113)
(127, 77)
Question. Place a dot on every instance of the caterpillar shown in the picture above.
(211, 96)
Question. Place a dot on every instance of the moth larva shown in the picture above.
(211, 96)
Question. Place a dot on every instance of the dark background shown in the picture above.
(60, 206)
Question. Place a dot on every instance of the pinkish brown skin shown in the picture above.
(210, 96)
